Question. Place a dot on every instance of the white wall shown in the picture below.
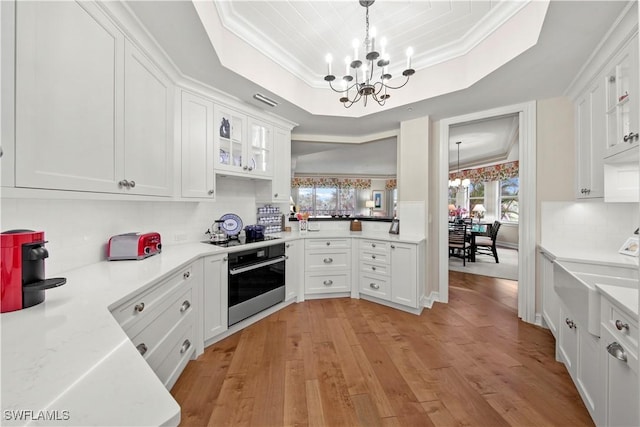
(78, 230)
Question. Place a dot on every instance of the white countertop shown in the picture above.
(587, 255)
(69, 357)
(627, 298)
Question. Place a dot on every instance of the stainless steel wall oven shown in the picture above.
(256, 281)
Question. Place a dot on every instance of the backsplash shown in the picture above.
(587, 225)
(78, 230)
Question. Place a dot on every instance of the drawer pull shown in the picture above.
(185, 346)
(617, 351)
(186, 275)
(621, 325)
(328, 243)
(630, 137)
(142, 348)
(287, 245)
(328, 282)
(373, 257)
(328, 260)
(185, 306)
(373, 245)
(570, 323)
(393, 246)
(373, 268)
(139, 307)
(374, 286)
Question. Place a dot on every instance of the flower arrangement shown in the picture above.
(460, 211)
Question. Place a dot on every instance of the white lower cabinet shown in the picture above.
(327, 266)
(550, 302)
(294, 269)
(619, 356)
(216, 291)
(162, 322)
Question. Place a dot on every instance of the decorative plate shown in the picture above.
(232, 224)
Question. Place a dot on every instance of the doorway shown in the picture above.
(527, 200)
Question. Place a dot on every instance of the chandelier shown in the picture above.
(458, 183)
(369, 82)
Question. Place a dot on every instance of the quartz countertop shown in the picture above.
(589, 255)
(627, 298)
(67, 361)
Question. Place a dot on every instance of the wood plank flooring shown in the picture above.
(344, 362)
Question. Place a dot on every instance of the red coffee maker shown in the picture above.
(22, 282)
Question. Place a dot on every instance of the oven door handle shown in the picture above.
(234, 271)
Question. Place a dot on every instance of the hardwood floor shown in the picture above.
(344, 362)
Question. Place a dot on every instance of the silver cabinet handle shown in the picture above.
(570, 323)
(328, 243)
(393, 246)
(373, 257)
(245, 167)
(630, 137)
(617, 351)
(373, 268)
(275, 195)
(286, 257)
(185, 306)
(374, 286)
(210, 192)
(287, 245)
(185, 346)
(124, 183)
(250, 168)
(328, 260)
(373, 245)
(132, 184)
(328, 282)
(186, 275)
(225, 259)
(621, 325)
(139, 307)
(142, 348)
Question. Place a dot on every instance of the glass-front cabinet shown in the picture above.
(622, 100)
(244, 146)
(230, 140)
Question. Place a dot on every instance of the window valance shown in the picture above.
(326, 182)
(489, 173)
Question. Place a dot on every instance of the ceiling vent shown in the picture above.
(260, 97)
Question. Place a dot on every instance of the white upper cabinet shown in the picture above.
(69, 83)
(281, 187)
(590, 135)
(260, 148)
(147, 126)
(622, 100)
(92, 112)
(197, 147)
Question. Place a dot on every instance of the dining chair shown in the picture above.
(459, 245)
(486, 245)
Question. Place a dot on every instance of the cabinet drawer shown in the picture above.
(374, 257)
(327, 283)
(623, 328)
(163, 319)
(179, 347)
(374, 268)
(138, 307)
(327, 243)
(376, 246)
(325, 260)
(374, 285)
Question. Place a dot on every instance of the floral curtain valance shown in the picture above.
(391, 184)
(325, 182)
(489, 173)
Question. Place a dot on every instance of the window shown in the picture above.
(476, 194)
(328, 201)
(509, 208)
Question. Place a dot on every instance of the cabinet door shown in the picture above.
(550, 302)
(622, 392)
(229, 132)
(215, 295)
(622, 100)
(568, 341)
(69, 89)
(404, 274)
(294, 272)
(260, 149)
(591, 134)
(281, 185)
(197, 147)
(147, 125)
(588, 374)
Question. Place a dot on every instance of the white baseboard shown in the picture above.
(427, 301)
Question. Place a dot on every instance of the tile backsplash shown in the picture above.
(587, 225)
(78, 230)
